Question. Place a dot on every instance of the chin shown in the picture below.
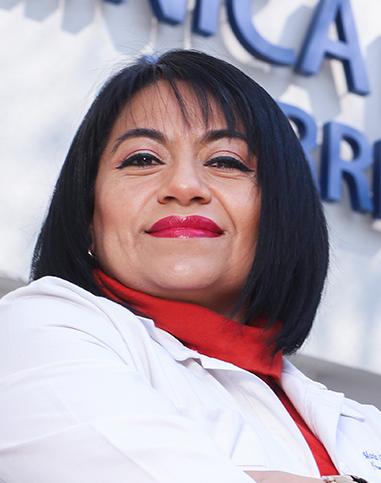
(185, 280)
(184, 284)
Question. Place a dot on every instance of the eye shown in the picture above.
(228, 163)
(140, 160)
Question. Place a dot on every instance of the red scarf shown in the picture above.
(202, 329)
(211, 334)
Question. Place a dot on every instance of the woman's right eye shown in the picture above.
(140, 160)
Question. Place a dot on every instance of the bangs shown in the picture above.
(210, 89)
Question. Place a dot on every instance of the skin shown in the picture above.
(178, 181)
(178, 177)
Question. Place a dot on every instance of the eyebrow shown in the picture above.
(138, 133)
(217, 134)
(209, 136)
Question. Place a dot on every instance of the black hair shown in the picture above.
(290, 265)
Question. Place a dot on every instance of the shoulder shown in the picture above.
(52, 319)
(47, 289)
(52, 297)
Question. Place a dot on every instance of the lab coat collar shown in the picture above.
(172, 345)
(311, 398)
(292, 375)
(180, 352)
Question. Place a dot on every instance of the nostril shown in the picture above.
(184, 194)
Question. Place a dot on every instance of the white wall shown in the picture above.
(55, 55)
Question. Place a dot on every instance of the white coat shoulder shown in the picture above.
(52, 320)
(76, 401)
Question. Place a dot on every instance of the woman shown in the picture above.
(183, 255)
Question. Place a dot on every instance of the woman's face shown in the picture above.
(159, 166)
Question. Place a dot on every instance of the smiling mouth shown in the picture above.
(192, 226)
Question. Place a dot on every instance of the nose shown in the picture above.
(183, 183)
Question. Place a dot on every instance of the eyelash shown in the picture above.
(140, 159)
(229, 163)
(144, 160)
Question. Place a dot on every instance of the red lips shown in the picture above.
(192, 226)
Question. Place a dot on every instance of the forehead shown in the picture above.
(157, 106)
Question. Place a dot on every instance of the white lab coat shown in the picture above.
(91, 393)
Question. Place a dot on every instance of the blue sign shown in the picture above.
(307, 133)
(170, 11)
(239, 15)
(334, 169)
(362, 173)
(316, 47)
(377, 180)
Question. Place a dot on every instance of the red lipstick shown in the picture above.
(192, 226)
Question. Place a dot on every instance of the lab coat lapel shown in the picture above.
(320, 408)
(180, 352)
(247, 452)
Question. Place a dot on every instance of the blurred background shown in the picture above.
(55, 55)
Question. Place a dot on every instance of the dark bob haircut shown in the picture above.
(290, 265)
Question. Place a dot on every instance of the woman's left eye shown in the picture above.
(228, 163)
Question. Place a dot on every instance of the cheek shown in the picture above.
(110, 213)
(119, 210)
(253, 216)
(247, 225)
(247, 207)
(105, 214)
